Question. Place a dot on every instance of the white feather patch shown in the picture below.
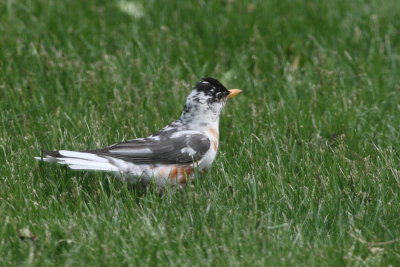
(188, 150)
(181, 133)
(131, 151)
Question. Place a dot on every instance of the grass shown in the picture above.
(308, 168)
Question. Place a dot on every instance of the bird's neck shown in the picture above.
(200, 121)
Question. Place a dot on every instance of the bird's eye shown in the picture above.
(219, 95)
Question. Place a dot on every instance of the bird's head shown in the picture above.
(206, 101)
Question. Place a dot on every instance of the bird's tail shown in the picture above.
(79, 160)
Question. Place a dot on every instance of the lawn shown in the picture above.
(308, 171)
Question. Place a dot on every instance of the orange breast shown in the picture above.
(214, 139)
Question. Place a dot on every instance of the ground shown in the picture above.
(308, 169)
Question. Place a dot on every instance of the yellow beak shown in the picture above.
(233, 92)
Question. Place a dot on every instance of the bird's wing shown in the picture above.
(176, 147)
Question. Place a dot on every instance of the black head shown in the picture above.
(213, 89)
(206, 101)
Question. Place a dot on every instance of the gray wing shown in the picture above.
(176, 148)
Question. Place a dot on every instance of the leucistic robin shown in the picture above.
(173, 154)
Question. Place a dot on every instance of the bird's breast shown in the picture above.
(208, 158)
(214, 138)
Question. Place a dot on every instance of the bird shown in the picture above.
(172, 155)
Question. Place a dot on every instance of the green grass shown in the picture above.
(308, 171)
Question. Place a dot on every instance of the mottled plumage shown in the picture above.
(170, 155)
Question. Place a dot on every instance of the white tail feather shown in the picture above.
(81, 161)
(82, 155)
(87, 167)
(86, 164)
